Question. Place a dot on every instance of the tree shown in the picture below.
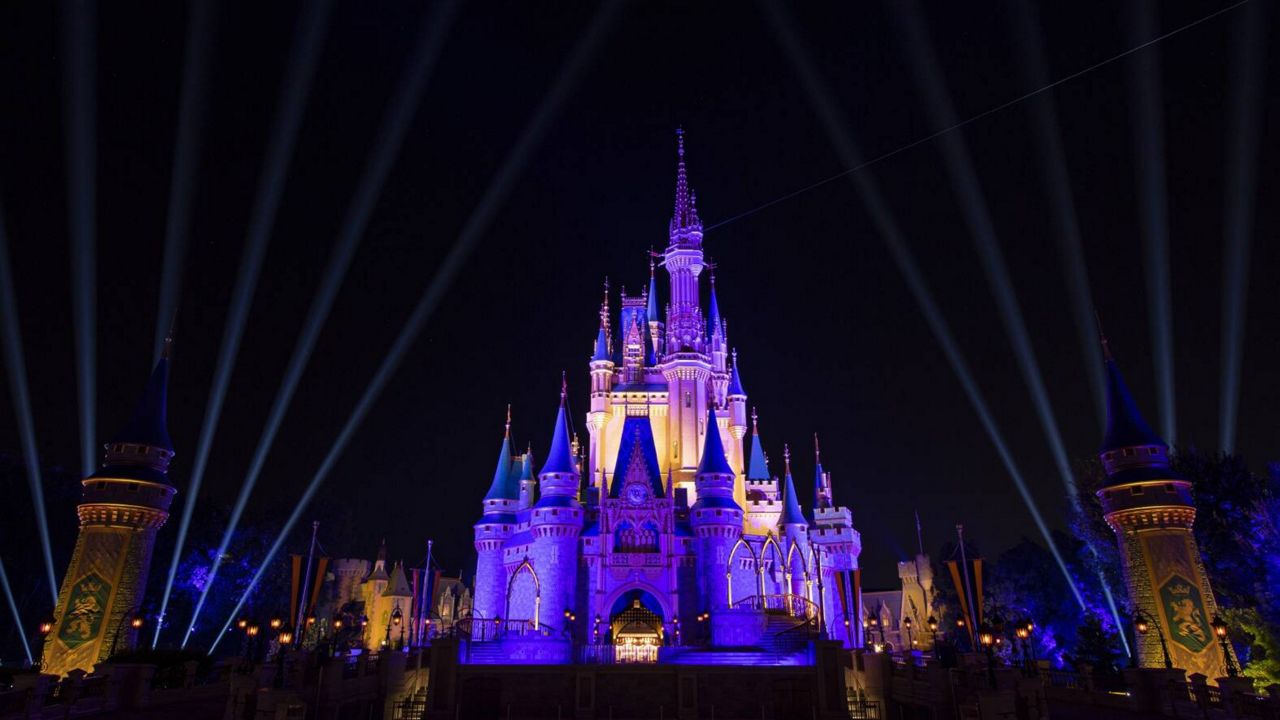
(1097, 648)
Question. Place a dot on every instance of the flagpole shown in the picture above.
(968, 591)
(306, 583)
(425, 598)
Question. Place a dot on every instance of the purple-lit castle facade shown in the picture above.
(662, 536)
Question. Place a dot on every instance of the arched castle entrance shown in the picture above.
(636, 627)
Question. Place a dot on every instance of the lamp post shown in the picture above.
(911, 641)
(1142, 622)
(932, 622)
(987, 639)
(1022, 631)
(284, 639)
(1220, 629)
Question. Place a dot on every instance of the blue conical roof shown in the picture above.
(735, 382)
(526, 466)
(560, 457)
(149, 423)
(757, 466)
(713, 314)
(505, 485)
(602, 346)
(791, 512)
(1125, 424)
(713, 459)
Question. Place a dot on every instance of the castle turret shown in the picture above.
(793, 529)
(716, 518)
(1150, 509)
(602, 367)
(736, 401)
(651, 310)
(122, 507)
(556, 521)
(838, 546)
(495, 526)
(763, 501)
(821, 480)
(528, 483)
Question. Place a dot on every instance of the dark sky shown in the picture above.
(830, 339)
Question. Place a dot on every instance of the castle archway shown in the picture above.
(636, 626)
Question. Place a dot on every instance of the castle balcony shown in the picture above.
(635, 559)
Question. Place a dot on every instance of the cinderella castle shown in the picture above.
(667, 536)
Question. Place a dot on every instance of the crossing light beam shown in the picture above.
(391, 133)
(13, 608)
(80, 116)
(295, 88)
(1153, 206)
(16, 366)
(1240, 198)
(476, 224)
(186, 152)
(825, 105)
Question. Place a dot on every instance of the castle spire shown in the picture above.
(149, 423)
(791, 512)
(560, 457)
(1125, 425)
(713, 458)
(735, 382)
(684, 220)
(651, 309)
(821, 481)
(758, 465)
(713, 311)
(504, 486)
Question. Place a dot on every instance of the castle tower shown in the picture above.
(916, 575)
(556, 522)
(716, 519)
(1150, 509)
(763, 501)
(838, 546)
(793, 529)
(528, 483)
(601, 386)
(736, 399)
(493, 529)
(122, 506)
(651, 310)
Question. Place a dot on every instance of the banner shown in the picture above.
(321, 567)
(977, 588)
(964, 604)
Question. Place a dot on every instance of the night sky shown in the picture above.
(830, 339)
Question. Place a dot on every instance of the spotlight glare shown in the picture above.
(80, 116)
(13, 608)
(16, 367)
(471, 232)
(824, 104)
(395, 125)
(1239, 200)
(1153, 205)
(201, 25)
(295, 87)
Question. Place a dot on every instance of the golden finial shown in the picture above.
(817, 454)
(755, 421)
(508, 431)
(786, 457)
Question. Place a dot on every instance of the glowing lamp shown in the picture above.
(251, 631)
(46, 626)
(1141, 625)
(1219, 626)
(286, 637)
(136, 622)
(959, 622)
(906, 622)
(1022, 632)
(337, 624)
(932, 622)
(311, 619)
(396, 616)
(986, 637)
(242, 623)
(276, 623)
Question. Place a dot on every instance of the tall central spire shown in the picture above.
(686, 226)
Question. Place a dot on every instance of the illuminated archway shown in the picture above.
(524, 592)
